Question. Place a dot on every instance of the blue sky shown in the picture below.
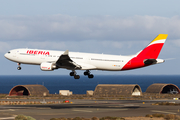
(103, 26)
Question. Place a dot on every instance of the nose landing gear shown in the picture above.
(19, 66)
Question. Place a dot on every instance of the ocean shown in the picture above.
(80, 86)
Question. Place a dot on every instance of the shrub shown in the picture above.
(94, 118)
(77, 118)
(148, 115)
(55, 119)
(170, 117)
(62, 118)
(30, 118)
(20, 117)
(158, 115)
(85, 118)
(69, 118)
(23, 117)
(111, 118)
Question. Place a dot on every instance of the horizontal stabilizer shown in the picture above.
(153, 61)
(160, 61)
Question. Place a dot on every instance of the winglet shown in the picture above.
(66, 52)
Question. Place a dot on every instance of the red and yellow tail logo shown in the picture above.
(153, 49)
(151, 52)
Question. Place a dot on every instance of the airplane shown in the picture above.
(50, 60)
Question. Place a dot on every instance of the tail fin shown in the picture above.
(148, 55)
(153, 49)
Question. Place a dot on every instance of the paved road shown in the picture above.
(88, 109)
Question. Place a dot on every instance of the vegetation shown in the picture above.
(59, 118)
(166, 117)
(172, 117)
(166, 103)
(157, 115)
(111, 118)
(23, 117)
(93, 118)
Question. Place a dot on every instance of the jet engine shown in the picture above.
(46, 66)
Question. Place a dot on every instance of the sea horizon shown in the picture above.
(54, 83)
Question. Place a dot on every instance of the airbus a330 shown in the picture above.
(50, 60)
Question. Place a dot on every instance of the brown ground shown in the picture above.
(142, 118)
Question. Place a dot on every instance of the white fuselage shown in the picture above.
(87, 61)
(50, 60)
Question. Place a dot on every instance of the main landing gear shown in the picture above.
(19, 66)
(87, 72)
(73, 73)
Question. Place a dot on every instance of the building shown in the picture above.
(33, 90)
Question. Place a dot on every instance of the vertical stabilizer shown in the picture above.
(153, 49)
(148, 55)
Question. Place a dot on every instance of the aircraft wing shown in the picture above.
(65, 61)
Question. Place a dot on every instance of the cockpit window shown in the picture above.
(9, 52)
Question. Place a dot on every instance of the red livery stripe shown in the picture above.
(150, 52)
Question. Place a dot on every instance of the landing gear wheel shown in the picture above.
(76, 76)
(19, 68)
(86, 73)
(71, 74)
(90, 76)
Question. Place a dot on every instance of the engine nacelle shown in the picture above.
(45, 66)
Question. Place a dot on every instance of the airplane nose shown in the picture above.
(6, 55)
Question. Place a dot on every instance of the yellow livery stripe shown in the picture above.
(160, 37)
